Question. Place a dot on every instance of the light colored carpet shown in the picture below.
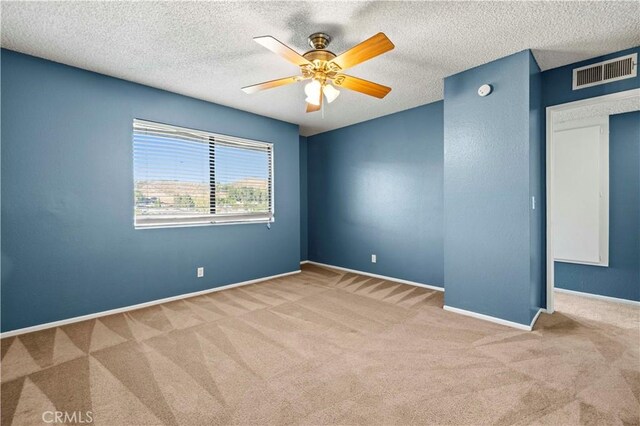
(327, 347)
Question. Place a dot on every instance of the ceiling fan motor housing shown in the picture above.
(320, 57)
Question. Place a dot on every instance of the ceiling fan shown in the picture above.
(324, 68)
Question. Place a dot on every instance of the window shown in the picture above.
(188, 177)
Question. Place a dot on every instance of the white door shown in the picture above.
(581, 192)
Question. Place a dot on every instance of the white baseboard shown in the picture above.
(383, 277)
(598, 297)
(535, 318)
(494, 319)
(431, 287)
(137, 306)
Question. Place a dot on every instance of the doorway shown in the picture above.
(578, 132)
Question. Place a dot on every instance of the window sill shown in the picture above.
(198, 224)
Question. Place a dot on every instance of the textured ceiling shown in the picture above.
(205, 49)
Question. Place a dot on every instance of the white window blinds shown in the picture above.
(189, 177)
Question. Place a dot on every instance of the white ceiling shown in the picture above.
(205, 49)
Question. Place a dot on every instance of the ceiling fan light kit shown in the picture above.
(313, 90)
(324, 68)
(330, 92)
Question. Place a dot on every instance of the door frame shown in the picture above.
(550, 112)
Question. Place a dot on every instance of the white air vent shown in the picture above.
(606, 72)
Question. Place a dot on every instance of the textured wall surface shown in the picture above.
(537, 222)
(487, 245)
(376, 188)
(69, 247)
(622, 277)
(618, 279)
(304, 240)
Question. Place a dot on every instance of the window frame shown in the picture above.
(216, 219)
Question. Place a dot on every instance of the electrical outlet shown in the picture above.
(374, 258)
(200, 272)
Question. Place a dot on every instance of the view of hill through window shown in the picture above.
(173, 177)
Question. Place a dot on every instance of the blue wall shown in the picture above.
(69, 247)
(304, 243)
(622, 278)
(376, 188)
(537, 189)
(487, 183)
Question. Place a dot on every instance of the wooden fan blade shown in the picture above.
(282, 49)
(370, 48)
(271, 84)
(312, 107)
(363, 86)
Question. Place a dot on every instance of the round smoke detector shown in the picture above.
(485, 90)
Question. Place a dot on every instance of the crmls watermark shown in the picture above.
(63, 417)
